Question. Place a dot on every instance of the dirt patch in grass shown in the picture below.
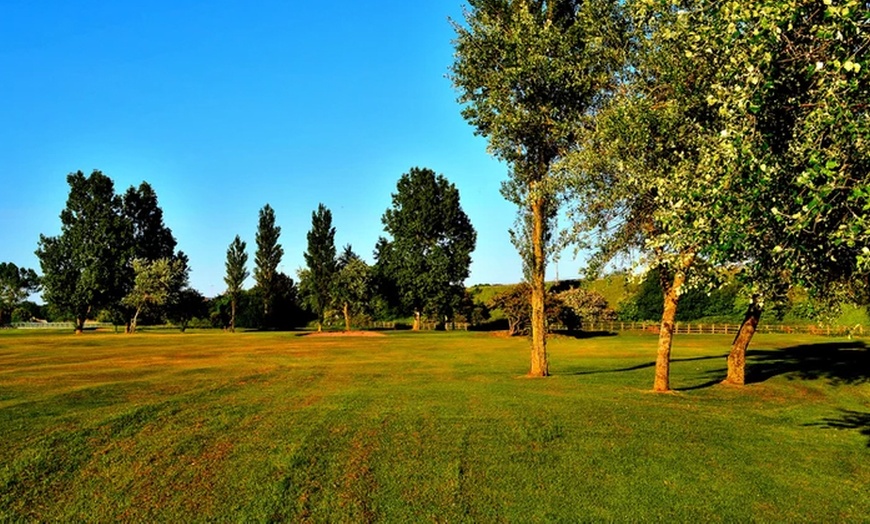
(346, 334)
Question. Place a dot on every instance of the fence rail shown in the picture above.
(689, 328)
(59, 325)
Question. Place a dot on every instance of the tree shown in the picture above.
(432, 240)
(317, 280)
(798, 135)
(188, 305)
(237, 272)
(85, 267)
(641, 181)
(352, 291)
(150, 239)
(267, 258)
(514, 303)
(528, 73)
(585, 306)
(157, 283)
(16, 284)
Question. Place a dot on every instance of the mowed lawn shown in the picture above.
(428, 427)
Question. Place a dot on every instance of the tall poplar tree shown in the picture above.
(316, 282)
(237, 272)
(267, 258)
(528, 71)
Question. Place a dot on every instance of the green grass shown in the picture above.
(438, 427)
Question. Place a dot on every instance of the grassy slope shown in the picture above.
(425, 427)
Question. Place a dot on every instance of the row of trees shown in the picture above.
(115, 259)
(419, 269)
(711, 138)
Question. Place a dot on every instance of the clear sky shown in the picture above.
(224, 106)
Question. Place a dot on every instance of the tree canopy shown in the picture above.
(317, 280)
(267, 258)
(16, 284)
(236, 273)
(528, 73)
(429, 253)
(85, 268)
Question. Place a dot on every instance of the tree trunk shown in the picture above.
(233, 315)
(540, 365)
(417, 317)
(80, 325)
(346, 311)
(135, 320)
(737, 356)
(666, 333)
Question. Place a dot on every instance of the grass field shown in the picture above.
(428, 427)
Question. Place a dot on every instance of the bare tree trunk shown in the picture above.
(417, 316)
(233, 315)
(539, 366)
(737, 356)
(80, 325)
(671, 290)
(346, 311)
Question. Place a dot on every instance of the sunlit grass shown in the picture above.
(426, 427)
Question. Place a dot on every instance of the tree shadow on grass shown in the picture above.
(848, 419)
(841, 363)
(646, 365)
(583, 334)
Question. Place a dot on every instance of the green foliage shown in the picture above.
(85, 268)
(152, 240)
(352, 292)
(582, 305)
(16, 284)
(429, 253)
(317, 281)
(157, 283)
(188, 305)
(236, 273)
(266, 259)
(514, 304)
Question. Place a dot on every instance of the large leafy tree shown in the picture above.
(267, 258)
(237, 272)
(16, 284)
(85, 268)
(157, 283)
(151, 239)
(318, 279)
(432, 239)
(797, 133)
(528, 72)
(352, 292)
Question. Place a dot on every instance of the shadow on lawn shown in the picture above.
(848, 420)
(647, 365)
(583, 334)
(841, 363)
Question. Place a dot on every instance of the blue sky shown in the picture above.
(224, 106)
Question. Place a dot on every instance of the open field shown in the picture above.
(428, 427)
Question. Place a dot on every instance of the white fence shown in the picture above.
(59, 325)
